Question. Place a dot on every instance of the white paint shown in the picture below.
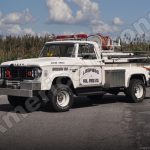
(90, 76)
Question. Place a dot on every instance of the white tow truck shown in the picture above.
(75, 65)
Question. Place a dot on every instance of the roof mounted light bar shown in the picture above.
(71, 37)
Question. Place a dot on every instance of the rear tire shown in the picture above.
(136, 91)
(60, 98)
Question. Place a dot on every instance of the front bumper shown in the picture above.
(22, 89)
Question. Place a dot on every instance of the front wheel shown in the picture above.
(29, 104)
(136, 91)
(16, 101)
(61, 98)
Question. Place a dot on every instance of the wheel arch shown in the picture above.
(137, 76)
(64, 80)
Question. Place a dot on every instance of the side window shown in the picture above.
(86, 51)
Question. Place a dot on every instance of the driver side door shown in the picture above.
(91, 69)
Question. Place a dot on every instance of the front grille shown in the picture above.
(16, 73)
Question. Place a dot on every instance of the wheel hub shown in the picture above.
(139, 91)
(63, 98)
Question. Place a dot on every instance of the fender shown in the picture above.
(47, 83)
(136, 76)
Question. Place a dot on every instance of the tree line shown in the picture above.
(27, 46)
(139, 44)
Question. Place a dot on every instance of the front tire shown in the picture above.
(29, 104)
(60, 98)
(17, 101)
(136, 91)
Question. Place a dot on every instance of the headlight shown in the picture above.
(37, 73)
(34, 73)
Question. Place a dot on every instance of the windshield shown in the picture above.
(58, 50)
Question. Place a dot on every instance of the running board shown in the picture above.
(85, 91)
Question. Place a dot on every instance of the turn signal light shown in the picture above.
(8, 73)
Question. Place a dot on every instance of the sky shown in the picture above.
(39, 17)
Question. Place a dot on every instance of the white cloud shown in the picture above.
(15, 30)
(100, 26)
(88, 10)
(28, 31)
(11, 23)
(17, 17)
(88, 14)
(60, 12)
(117, 21)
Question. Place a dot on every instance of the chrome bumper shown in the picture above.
(26, 88)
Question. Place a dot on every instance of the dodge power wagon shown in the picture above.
(75, 67)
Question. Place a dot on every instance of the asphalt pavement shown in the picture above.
(108, 124)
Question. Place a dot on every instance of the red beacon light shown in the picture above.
(72, 37)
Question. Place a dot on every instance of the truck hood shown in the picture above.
(43, 61)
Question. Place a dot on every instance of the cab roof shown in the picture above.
(71, 41)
